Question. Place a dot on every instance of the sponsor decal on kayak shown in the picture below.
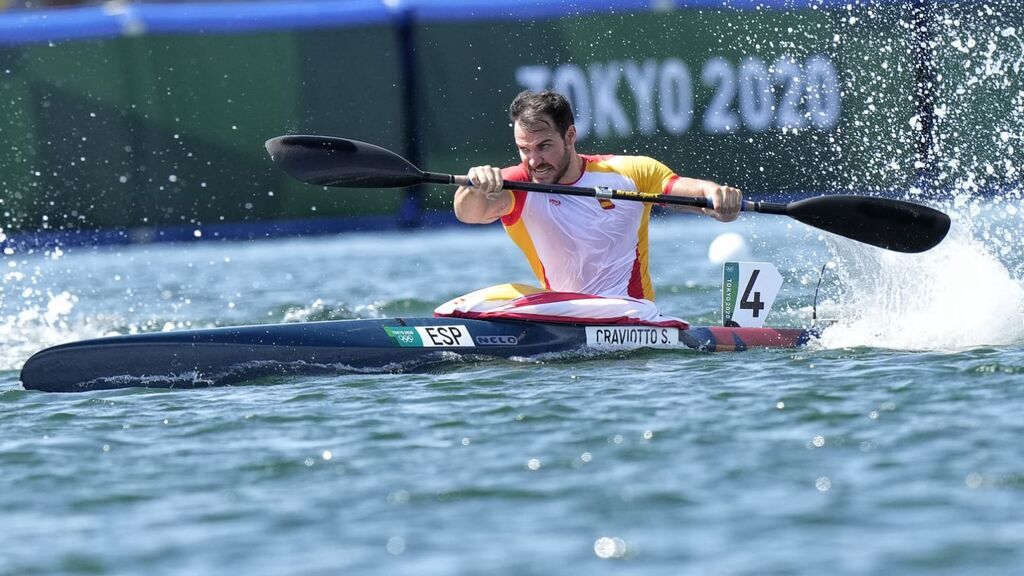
(632, 336)
(404, 336)
(503, 340)
(430, 336)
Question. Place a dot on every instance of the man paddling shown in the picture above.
(579, 244)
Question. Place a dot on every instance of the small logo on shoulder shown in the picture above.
(497, 340)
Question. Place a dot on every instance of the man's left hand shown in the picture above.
(726, 201)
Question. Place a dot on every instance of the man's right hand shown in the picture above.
(486, 180)
(485, 201)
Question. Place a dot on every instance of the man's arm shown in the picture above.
(485, 201)
(725, 199)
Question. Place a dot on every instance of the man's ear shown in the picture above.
(570, 136)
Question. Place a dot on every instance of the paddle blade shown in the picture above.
(883, 222)
(341, 163)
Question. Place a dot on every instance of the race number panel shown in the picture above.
(748, 292)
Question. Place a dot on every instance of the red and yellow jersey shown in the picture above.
(589, 245)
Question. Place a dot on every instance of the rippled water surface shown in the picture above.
(892, 446)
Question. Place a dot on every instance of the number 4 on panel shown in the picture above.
(748, 292)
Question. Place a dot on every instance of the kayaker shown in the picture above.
(579, 244)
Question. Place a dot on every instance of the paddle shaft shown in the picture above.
(609, 193)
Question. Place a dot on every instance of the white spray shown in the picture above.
(956, 296)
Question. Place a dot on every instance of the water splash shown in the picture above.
(957, 296)
(45, 301)
(46, 320)
(969, 291)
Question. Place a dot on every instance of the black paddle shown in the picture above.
(339, 162)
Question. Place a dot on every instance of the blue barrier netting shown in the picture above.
(112, 19)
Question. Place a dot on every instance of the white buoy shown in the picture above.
(728, 247)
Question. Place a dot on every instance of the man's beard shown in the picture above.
(558, 171)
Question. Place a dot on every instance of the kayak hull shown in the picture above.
(230, 355)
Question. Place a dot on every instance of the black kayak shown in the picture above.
(231, 355)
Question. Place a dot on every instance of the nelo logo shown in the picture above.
(497, 340)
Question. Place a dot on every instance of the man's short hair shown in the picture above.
(537, 110)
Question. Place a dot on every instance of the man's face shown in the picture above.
(546, 154)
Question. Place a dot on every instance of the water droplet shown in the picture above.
(609, 547)
(395, 546)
